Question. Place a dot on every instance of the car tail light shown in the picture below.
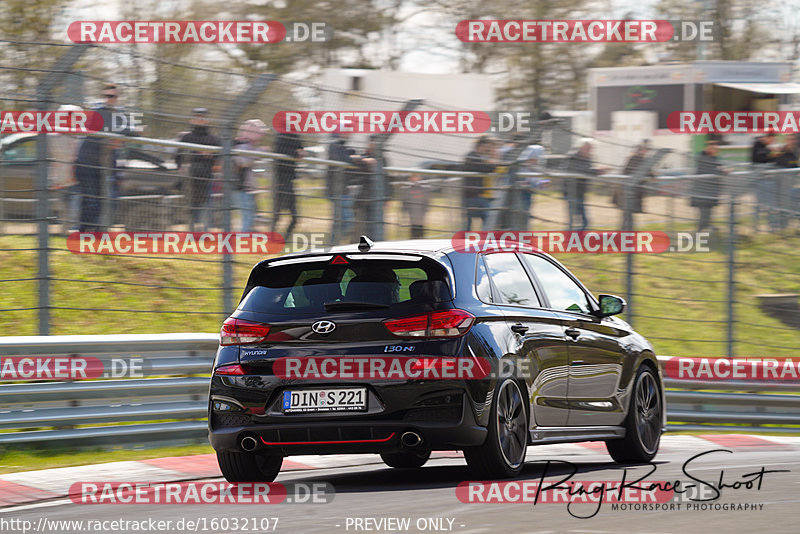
(240, 332)
(449, 323)
(229, 370)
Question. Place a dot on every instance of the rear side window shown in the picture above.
(511, 280)
(308, 286)
(482, 285)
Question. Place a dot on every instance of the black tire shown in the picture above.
(502, 455)
(406, 460)
(643, 422)
(248, 467)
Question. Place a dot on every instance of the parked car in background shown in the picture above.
(141, 170)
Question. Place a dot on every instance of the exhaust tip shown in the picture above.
(248, 443)
(410, 439)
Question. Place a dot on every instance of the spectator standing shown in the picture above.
(786, 158)
(94, 155)
(284, 196)
(64, 148)
(705, 191)
(250, 134)
(477, 189)
(415, 196)
(201, 168)
(633, 165)
(530, 162)
(337, 183)
(762, 155)
(787, 155)
(364, 180)
(580, 162)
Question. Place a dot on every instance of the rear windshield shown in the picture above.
(308, 286)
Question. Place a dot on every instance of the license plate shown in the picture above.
(325, 400)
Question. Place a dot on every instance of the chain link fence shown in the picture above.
(734, 292)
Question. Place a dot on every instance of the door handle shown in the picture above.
(574, 333)
(519, 328)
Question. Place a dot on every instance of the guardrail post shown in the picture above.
(731, 275)
(44, 99)
(337, 190)
(230, 116)
(630, 184)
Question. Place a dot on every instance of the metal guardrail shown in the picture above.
(94, 412)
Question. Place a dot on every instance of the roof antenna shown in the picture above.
(364, 244)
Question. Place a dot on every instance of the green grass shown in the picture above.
(679, 298)
(191, 302)
(16, 460)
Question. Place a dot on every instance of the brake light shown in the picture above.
(241, 332)
(229, 370)
(449, 323)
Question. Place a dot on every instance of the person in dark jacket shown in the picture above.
(705, 191)
(761, 151)
(762, 155)
(289, 144)
(94, 155)
(580, 162)
(477, 189)
(633, 166)
(201, 168)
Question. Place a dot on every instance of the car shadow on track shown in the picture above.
(434, 476)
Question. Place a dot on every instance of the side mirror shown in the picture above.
(610, 305)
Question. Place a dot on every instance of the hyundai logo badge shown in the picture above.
(323, 327)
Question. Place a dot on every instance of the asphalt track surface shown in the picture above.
(376, 492)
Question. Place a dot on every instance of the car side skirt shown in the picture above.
(541, 436)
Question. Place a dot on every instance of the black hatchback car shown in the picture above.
(556, 365)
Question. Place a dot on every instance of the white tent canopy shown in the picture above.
(765, 88)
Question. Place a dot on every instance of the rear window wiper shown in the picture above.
(353, 305)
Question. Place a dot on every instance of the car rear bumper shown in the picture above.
(355, 436)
